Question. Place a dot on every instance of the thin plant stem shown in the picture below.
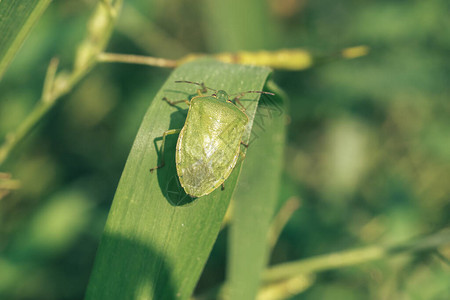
(137, 59)
(311, 266)
(56, 84)
(13, 138)
(354, 257)
(281, 220)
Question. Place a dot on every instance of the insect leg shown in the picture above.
(173, 103)
(238, 96)
(241, 153)
(166, 133)
(241, 157)
(204, 88)
(237, 101)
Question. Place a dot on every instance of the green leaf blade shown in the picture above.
(17, 18)
(151, 248)
(255, 199)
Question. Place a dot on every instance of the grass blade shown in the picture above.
(151, 247)
(255, 199)
(17, 18)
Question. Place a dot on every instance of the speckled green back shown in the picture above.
(208, 145)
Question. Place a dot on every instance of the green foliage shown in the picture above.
(155, 233)
(17, 18)
(255, 199)
(366, 155)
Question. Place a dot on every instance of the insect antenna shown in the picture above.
(239, 95)
(196, 83)
(257, 92)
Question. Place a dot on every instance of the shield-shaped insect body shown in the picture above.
(208, 145)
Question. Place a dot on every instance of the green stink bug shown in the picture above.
(208, 145)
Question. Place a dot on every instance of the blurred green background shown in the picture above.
(368, 153)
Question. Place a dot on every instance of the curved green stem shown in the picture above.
(354, 257)
(58, 84)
